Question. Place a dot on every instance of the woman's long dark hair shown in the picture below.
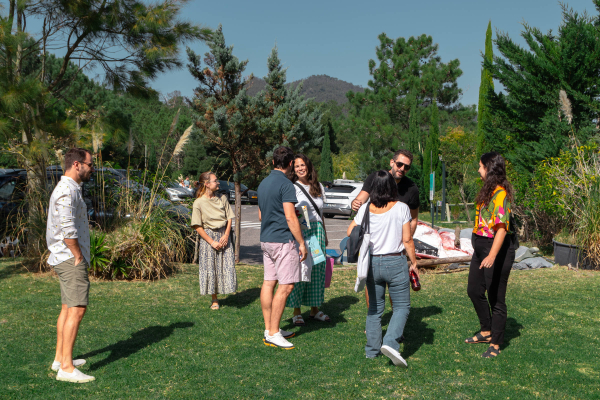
(383, 189)
(311, 175)
(495, 175)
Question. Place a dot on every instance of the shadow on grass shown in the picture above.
(335, 308)
(513, 328)
(11, 266)
(241, 299)
(138, 340)
(416, 332)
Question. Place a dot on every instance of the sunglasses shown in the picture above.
(91, 165)
(401, 164)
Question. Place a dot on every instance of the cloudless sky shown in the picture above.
(337, 38)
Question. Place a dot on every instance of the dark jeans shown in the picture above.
(391, 272)
(494, 281)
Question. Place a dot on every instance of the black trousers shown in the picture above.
(493, 281)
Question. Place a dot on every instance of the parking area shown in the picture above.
(250, 252)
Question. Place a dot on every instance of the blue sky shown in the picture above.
(337, 38)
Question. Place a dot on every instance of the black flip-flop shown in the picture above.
(491, 352)
(480, 339)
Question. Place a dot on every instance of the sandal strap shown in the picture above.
(491, 352)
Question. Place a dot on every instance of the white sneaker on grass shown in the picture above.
(76, 376)
(76, 363)
(285, 334)
(277, 340)
(394, 355)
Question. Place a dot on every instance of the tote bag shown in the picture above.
(328, 271)
(315, 250)
(356, 237)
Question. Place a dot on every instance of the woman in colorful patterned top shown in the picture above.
(494, 253)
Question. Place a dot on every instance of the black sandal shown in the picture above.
(491, 352)
(480, 339)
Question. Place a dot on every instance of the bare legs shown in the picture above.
(273, 305)
(67, 327)
(313, 311)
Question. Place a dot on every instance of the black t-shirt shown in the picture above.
(407, 190)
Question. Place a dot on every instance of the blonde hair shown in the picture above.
(202, 179)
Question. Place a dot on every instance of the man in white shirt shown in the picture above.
(68, 239)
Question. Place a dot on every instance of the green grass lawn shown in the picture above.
(161, 340)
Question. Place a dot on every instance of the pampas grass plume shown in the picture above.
(565, 106)
(130, 144)
(183, 141)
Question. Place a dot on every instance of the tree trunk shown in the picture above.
(464, 199)
(238, 219)
(196, 245)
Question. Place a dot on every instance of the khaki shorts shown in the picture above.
(74, 282)
(281, 261)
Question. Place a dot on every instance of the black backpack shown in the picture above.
(356, 237)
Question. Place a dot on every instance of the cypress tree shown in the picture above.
(432, 150)
(326, 171)
(486, 86)
(414, 136)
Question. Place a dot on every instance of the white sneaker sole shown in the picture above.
(60, 378)
(395, 359)
(267, 343)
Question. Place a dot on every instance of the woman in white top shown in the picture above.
(390, 245)
(309, 293)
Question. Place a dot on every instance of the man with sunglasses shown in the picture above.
(68, 239)
(407, 190)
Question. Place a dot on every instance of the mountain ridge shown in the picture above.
(322, 88)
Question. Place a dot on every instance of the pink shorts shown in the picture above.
(282, 262)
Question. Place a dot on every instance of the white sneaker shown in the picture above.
(76, 363)
(285, 334)
(76, 376)
(394, 355)
(277, 340)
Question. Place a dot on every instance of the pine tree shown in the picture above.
(431, 159)
(528, 126)
(406, 72)
(486, 86)
(326, 171)
(226, 114)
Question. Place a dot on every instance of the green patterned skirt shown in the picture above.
(311, 293)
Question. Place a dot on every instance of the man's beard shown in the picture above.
(86, 177)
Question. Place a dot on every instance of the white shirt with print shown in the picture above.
(67, 219)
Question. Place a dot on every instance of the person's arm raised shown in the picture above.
(360, 200)
(294, 225)
(415, 220)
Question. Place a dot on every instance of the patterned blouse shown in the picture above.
(496, 212)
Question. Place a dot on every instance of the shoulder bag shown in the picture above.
(356, 237)
(309, 197)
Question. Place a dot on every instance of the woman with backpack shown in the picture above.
(494, 247)
(390, 245)
(311, 194)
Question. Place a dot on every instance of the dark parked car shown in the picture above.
(228, 189)
(13, 187)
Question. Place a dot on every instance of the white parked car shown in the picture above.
(339, 197)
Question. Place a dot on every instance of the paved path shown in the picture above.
(250, 252)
